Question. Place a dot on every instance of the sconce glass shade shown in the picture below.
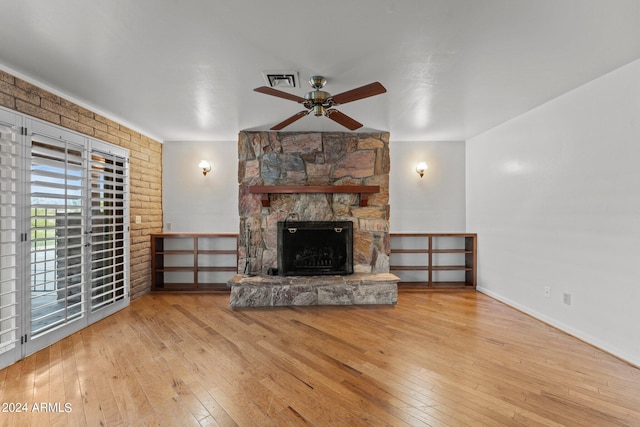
(420, 168)
(205, 166)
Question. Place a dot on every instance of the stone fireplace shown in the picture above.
(319, 177)
(313, 159)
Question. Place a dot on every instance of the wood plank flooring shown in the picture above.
(434, 359)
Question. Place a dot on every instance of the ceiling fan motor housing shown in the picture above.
(318, 100)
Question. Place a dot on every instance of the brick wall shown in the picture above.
(145, 166)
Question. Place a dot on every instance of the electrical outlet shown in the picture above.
(138, 219)
(547, 291)
(566, 298)
(169, 226)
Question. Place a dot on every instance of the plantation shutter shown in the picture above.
(109, 237)
(10, 162)
(57, 207)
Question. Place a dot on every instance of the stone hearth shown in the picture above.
(354, 289)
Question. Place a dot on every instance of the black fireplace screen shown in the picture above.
(309, 248)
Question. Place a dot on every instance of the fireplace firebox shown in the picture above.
(310, 248)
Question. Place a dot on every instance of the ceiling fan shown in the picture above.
(321, 103)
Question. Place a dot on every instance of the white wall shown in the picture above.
(196, 203)
(436, 202)
(554, 195)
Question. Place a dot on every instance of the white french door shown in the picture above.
(57, 214)
(65, 233)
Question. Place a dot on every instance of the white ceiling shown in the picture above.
(185, 70)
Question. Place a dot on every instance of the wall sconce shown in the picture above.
(420, 168)
(205, 166)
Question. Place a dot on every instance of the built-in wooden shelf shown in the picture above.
(434, 261)
(193, 262)
(362, 190)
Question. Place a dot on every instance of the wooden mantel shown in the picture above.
(265, 190)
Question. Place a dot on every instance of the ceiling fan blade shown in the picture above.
(359, 93)
(290, 120)
(280, 94)
(343, 119)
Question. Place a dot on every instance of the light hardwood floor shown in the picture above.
(440, 359)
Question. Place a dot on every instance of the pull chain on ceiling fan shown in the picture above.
(321, 103)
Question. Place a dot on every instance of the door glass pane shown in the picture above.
(9, 158)
(57, 206)
(108, 233)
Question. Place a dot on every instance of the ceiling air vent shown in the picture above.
(281, 78)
